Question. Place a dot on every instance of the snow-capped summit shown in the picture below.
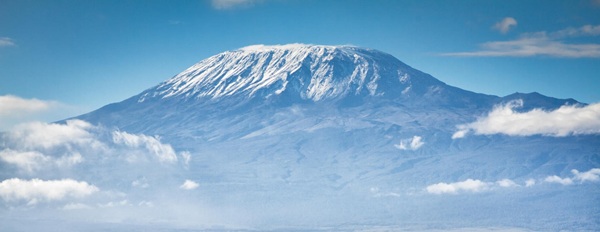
(307, 72)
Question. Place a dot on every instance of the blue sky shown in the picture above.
(76, 56)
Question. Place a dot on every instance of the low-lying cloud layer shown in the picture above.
(475, 186)
(593, 175)
(36, 190)
(52, 162)
(468, 185)
(564, 121)
(35, 146)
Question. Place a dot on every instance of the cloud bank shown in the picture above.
(540, 44)
(505, 25)
(476, 186)
(36, 190)
(564, 121)
(36, 146)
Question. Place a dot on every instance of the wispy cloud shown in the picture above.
(564, 121)
(505, 25)
(36, 190)
(530, 182)
(229, 4)
(541, 44)
(413, 143)
(378, 193)
(163, 152)
(6, 42)
(15, 110)
(587, 30)
(14, 106)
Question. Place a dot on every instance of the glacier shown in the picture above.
(304, 137)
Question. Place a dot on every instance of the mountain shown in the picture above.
(341, 138)
(274, 77)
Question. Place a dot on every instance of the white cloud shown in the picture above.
(15, 110)
(28, 160)
(541, 44)
(587, 30)
(529, 182)
(471, 185)
(36, 146)
(15, 106)
(377, 193)
(39, 135)
(592, 175)
(564, 121)
(189, 185)
(413, 143)
(557, 179)
(228, 4)
(468, 185)
(505, 25)
(6, 42)
(36, 190)
(533, 46)
(187, 157)
(506, 183)
(31, 161)
(164, 152)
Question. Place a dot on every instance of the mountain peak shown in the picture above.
(294, 46)
(300, 71)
